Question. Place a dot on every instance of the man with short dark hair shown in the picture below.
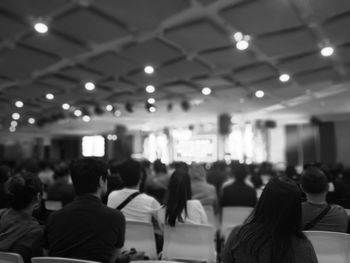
(317, 214)
(134, 205)
(86, 229)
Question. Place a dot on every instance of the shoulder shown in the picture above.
(194, 203)
(115, 193)
(338, 208)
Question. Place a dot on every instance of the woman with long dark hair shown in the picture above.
(179, 206)
(273, 232)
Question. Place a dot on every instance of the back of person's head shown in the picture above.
(23, 190)
(86, 174)
(179, 192)
(197, 172)
(314, 181)
(159, 167)
(275, 221)
(130, 172)
(181, 166)
(240, 173)
(61, 170)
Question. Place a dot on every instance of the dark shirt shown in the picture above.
(20, 233)
(85, 229)
(238, 194)
(233, 252)
(61, 191)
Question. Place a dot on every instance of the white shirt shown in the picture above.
(140, 208)
(195, 213)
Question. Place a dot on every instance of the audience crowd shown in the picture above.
(98, 199)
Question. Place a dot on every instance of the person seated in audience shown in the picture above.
(61, 190)
(273, 231)
(180, 207)
(114, 181)
(85, 228)
(133, 204)
(158, 183)
(217, 175)
(317, 213)
(19, 231)
(4, 176)
(238, 193)
(201, 190)
(46, 173)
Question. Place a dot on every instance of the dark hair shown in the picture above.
(159, 167)
(179, 191)
(240, 173)
(314, 180)
(61, 170)
(274, 222)
(130, 172)
(22, 190)
(86, 174)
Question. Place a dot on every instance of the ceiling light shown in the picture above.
(50, 96)
(16, 116)
(78, 113)
(19, 104)
(150, 89)
(151, 100)
(109, 107)
(152, 109)
(89, 86)
(284, 77)
(14, 123)
(259, 94)
(65, 106)
(41, 28)
(327, 51)
(117, 113)
(149, 69)
(12, 129)
(206, 91)
(86, 118)
(242, 45)
(31, 120)
(238, 36)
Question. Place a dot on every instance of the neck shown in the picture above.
(136, 187)
(316, 199)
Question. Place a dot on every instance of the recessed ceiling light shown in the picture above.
(152, 109)
(78, 113)
(109, 107)
(12, 129)
(238, 36)
(16, 116)
(327, 51)
(65, 106)
(206, 91)
(86, 118)
(151, 100)
(117, 113)
(284, 77)
(150, 89)
(242, 44)
(259, 94)
(41, 28)
(89, 86)
(14, 123)
(19, 104)
(31, 120)
(149, 69)
(50, 96)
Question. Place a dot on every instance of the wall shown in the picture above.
(342, 132)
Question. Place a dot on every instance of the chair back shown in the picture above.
(189, 242)
(330, 247)
(53, 205)
(59, 260)
(212, 219)
(140, 235)
(7, 257)
(233, 216)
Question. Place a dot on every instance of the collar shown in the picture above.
(88, 197)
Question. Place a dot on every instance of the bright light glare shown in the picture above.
(12, 129)
(284, 77)
(152, 109)
(19, 104)
(14, 123)
(112, 137)
(117, 113)
(86, 118)
(109, 107)
(238, 36)
(16, 116)
(78, 113)
(31, 120)
(327, 51)
(65, 106)
(206, 91)
(150, 89)
(89, 86)
(149, 69)
(242, 44)
(151, 100)
(50, 96)
(41, 28)
(93, 146)
(259, 94)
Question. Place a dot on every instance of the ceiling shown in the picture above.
(190, 45)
